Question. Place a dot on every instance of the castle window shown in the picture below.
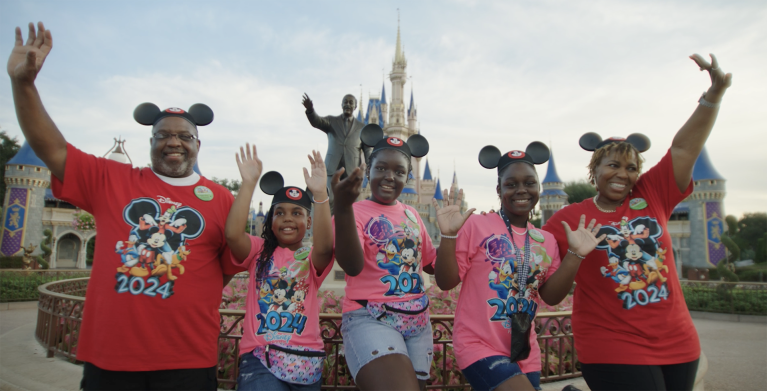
(20, 167)
(711, 182)
(38, 169)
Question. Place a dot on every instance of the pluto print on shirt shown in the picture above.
(281, 298)
(635, 260)
(153, 256)
(399, 253)
(503, 278)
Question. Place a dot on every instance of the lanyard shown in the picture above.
(523, 265)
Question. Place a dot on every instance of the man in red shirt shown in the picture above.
(151, 319)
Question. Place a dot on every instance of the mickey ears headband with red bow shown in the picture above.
(592, 141)
(273, 184)
(535, 153)
(373, 136)
(149, 114)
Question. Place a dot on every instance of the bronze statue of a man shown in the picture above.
(344, 146)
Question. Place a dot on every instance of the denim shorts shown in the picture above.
(366, 339)
(255, 376)
(490, 372)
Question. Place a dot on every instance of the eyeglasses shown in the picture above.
(185, 137)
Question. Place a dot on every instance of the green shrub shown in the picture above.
(11, 262)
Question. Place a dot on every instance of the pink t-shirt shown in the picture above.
(285, 309)
(396, 246)
(487, 266)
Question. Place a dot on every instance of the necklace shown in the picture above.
(600, 208)
(517, 233)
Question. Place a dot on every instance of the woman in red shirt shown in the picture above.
(631, 324)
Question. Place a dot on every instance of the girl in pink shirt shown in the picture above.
(504, 264)
(383, 246)
(281, 344)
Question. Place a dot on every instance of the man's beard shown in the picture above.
(173, 171)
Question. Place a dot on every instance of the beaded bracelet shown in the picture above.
(448, 237)
(573, 252)
(315, 201)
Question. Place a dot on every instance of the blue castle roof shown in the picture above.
(359, 114)
(408, 190)
(427, 172)
(703, 169)
(26, 156)
(438, 191)
(196, 169)
(410, 109)
(383, 93)
(375, 104)
(364, 182)
(551, 172)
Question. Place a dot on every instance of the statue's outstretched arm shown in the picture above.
(315, 120)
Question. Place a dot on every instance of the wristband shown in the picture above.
(315, 201)
(573, 252)
(448, 237)
(704, 102)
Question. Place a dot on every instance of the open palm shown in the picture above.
(449, 216)
(584, 239)
(317, 181)
(26, 60)
(249, 164)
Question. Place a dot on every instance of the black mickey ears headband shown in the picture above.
(148, 114)
(273, 184)
(592, 141)
(535, 153)
(373, 136)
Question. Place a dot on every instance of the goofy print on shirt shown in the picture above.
(503, 278)
(282, 294)
(156, 246)
(399, 253)
(635, 260)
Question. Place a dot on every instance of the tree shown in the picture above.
(751, 227)
(8, 149)
(578, 191)
(232, 185)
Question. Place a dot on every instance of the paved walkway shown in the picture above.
(736, 352)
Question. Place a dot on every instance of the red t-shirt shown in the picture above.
(136, 318)
(628, 304)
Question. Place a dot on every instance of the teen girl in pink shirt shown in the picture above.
(504, 264)
(281, 344)
(383, 246)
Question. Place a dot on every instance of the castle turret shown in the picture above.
(553, 197)
(706, 214)
(26, 178)
(397, 126)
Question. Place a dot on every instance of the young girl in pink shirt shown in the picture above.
(281, 346)
(504, 264)
(383, 247)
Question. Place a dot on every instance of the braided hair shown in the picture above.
(270, 245)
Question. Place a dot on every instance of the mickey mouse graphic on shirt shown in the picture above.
(156, 246)
(399, 253)
(281, 298)
(635, 260)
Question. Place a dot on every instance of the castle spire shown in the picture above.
(551, 172)
(703, 169)
(427, 172)
(399, 54)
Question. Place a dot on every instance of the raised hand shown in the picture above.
(249, 164)
(346, 191)
(583, 240)
(307, 103)
(317, 181)
(449, 217)
(719, 80)
(26, 60)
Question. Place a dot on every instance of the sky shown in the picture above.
(504, 73)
